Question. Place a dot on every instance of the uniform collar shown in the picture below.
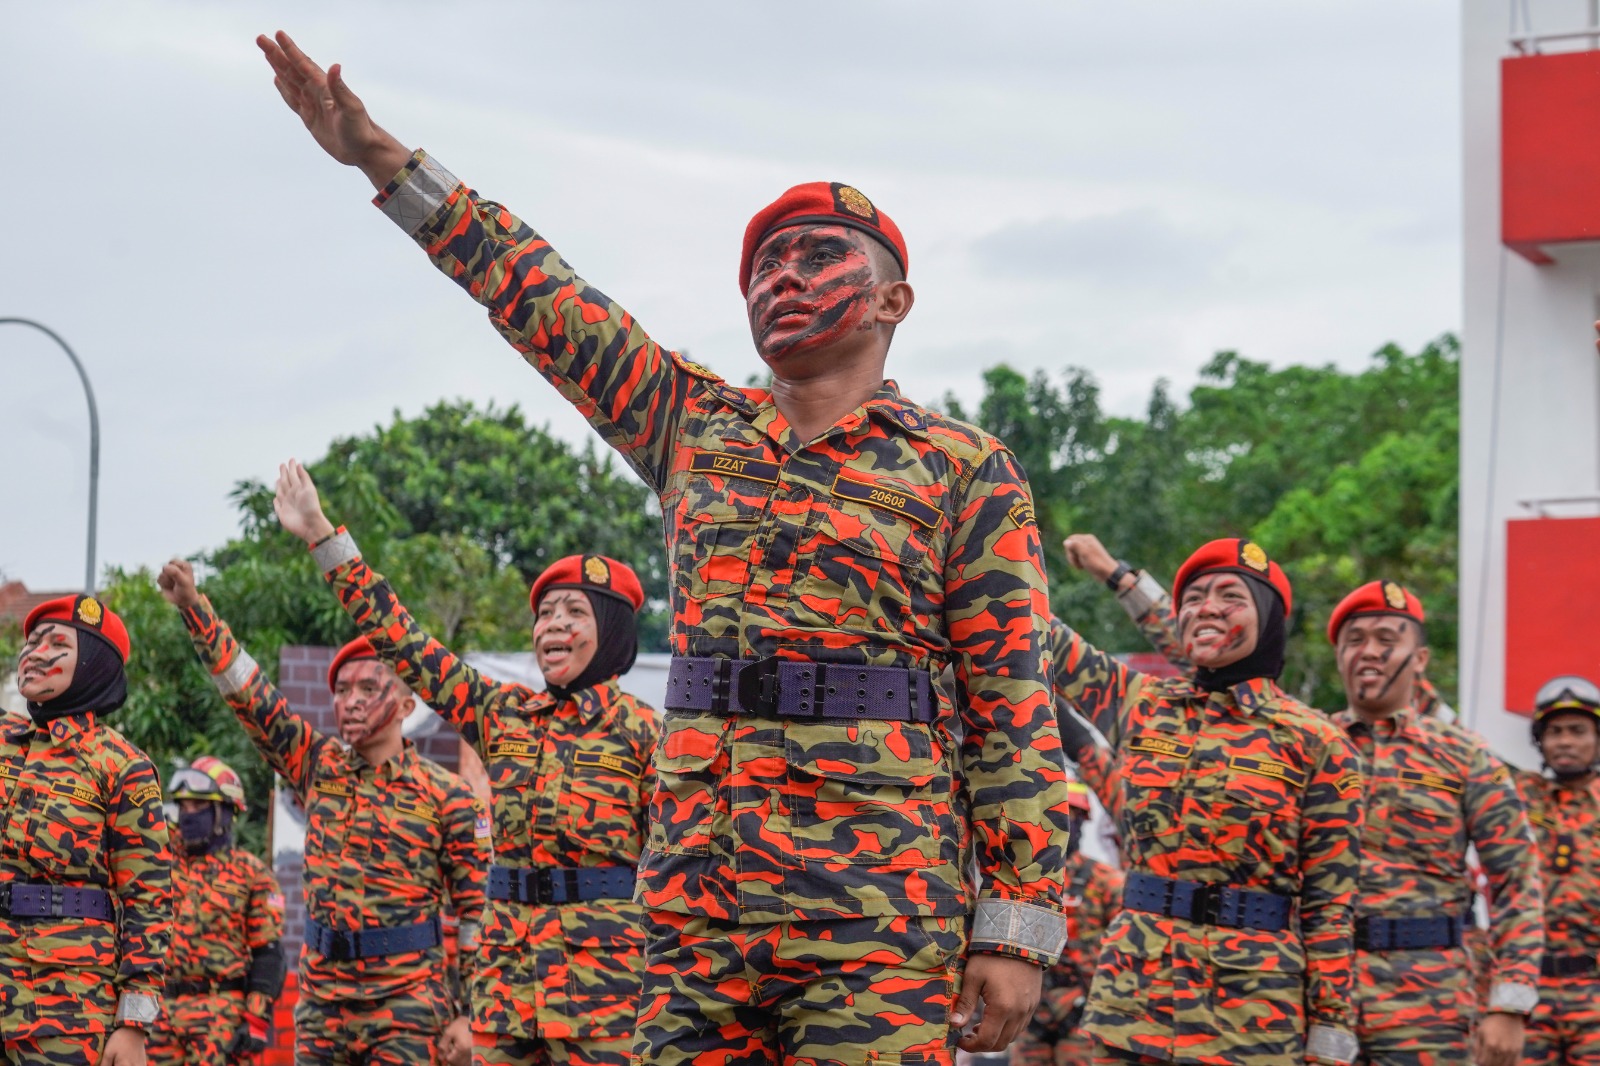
(597, 701)
(1258, 695)
(1397, 724)
(887, 405)
(395, 767)
(67, 728)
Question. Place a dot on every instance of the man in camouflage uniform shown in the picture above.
(1432, 790)
(1564, 806)
(85, 897)
(1240, 820)
(833, 546)
(226, 966)
(569, 773)
(390, 836)
(1093, 897)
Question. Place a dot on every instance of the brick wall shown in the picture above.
(303, 679)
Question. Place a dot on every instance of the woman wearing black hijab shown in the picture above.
(85, 904)
(570, 780)
(1241, 822)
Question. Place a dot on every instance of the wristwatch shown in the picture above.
(1122, 571)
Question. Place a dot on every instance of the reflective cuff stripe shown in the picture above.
(237, 675)
(138, 1008)
(1020, 925)
(1333, 1045)
(467, 934)
(1142, 596)
(1513, 998)
(415, 201)
(335, 551)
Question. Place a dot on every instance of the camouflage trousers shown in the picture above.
(1053, 1037)
(395, 1031)
(1414, 1008)
(498, 1049)
(195, 1030)
(81, 1049)
(838, 992)
(1565, 1027)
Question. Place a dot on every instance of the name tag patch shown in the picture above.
(607, 761)
(902, 502)
(415, 810)
(335, 788)
(1428, 780)
(1160, 745)
(1268, 768)
(80, 794)
(731, 465)
(511, 749)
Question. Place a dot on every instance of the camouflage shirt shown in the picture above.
(1246, 787)
(81, 807)
(1094, 896)
(896, 538)
(570, 786)
(226, 905)
(1566, 830)
(385, 845)
(1432, 790)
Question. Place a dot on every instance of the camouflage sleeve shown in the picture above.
(1330, 860)
(461, 695)
(465, 821)
(1151, 609)
(582, 342)
(285, 740)
(1092, 681)
(141, 880)
(1097, 768)
(645, 746)
(1013, 772)
(1497, 824)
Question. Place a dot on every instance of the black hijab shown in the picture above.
(616, 643)
(99, 683)
(1266, 659)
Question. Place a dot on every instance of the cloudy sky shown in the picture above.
(1125, 186)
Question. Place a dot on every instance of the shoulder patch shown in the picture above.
(1021, 514)
(730, 464)
(903, 502)
(1501, 775)
(146, 793)
(689, 366)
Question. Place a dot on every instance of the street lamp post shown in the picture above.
(94, 441)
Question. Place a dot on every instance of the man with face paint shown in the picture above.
(833, 547)
(1093, 896)
(226, 967)
(1432, 791)
(1564, 807)
(1241, 820)
(390, 837)
(85, 892)
(569, 770)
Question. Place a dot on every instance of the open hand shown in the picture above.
(176, 582)
(333, 113)
(297, 504)
(1009, 990)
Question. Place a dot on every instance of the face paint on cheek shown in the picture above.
(837, 304)
(1399, 668)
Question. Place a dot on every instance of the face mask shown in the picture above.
(196, 826)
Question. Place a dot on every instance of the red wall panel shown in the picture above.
(1552, 604)
(1549, 153)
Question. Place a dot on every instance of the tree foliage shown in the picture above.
(1342, 477)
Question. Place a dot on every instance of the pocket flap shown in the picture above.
(866, 752)
(1241, 950)
(689, 742)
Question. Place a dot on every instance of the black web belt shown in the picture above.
(1409, 934)
(347, 945)
(1569, 965)
(1225, 905)
(206, 986)
(21, 900)
(797, 688)
(560, 884)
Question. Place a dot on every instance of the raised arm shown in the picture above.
(283, 738)
(1148, 605)
(1093, 682)
(462, 696)
(591, 349)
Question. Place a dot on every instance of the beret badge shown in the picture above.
(1394, 595)
(596, 572)
(855, 201)
(1252, 555)
(90, 613)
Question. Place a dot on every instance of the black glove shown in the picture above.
(249, 1038)
(1076, 734)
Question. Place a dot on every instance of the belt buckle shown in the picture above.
(5, 899)
(58, 901)
(544, 885)
(1205, 907)
(758, 686)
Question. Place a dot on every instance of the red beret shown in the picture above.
(85, 613)
(592, 573)
(360, 648)
(1237, 556)
(1376, 597)
(819, 203)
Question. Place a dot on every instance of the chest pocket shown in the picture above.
(329, 808)
(512, 765)
(604, 795)
(408, 829)
(718, 519)
(859, 565)
(1154, 763)
(69, 831)
(1425, 807)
